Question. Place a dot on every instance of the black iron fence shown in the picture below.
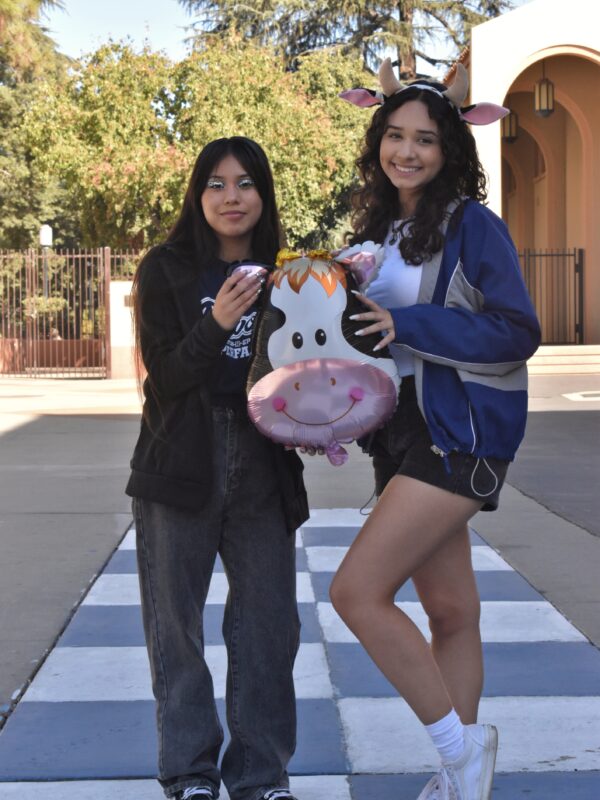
(54, 310)
(554, 280)
(54, 305)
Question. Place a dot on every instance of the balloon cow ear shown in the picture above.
(483, 113)
(363, 98)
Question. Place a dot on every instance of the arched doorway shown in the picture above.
(548, 192)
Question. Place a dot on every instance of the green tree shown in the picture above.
(26, 50)
(106, 136)
(295, 27)
(236, 88)
(121, 134)
(27, 197)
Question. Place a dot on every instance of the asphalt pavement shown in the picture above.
(65, 447)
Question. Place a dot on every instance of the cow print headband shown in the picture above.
(478, 114)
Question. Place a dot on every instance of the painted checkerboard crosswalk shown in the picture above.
(85, 726)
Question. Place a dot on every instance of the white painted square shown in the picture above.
(320, 787)
(129, 542)
(100, 674)
(311, 671)
(537, 734)
(124, 590)
(217, 593)
(484, 559)
(501, 621)
(335, 518)
(329, 558)
(384, 736)
(325, 558)
(114, 590)
(80, 674)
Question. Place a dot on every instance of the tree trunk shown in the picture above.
(406, 52)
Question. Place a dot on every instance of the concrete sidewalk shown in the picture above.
(88, 713)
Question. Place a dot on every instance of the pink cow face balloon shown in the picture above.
(312, 381)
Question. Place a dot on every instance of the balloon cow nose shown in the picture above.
(356, 394)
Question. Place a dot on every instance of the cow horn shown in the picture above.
(458, 89)
(389, 82)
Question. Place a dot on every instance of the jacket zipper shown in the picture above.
(439, 452)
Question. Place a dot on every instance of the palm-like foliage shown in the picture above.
(25, 47)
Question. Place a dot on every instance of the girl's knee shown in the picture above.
(354, 601)
(342, 595)
(349, 598)
(451, 615)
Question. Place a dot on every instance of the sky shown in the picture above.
(86, 24)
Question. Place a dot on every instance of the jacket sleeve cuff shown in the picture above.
(212, 333)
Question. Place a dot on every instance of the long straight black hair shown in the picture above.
(191, 227)
(193, 231)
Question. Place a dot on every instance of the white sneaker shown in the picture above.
(470, 777)
(431, 790)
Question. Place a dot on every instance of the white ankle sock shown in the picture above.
(447, 735)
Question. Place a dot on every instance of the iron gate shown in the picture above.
(554, 280)
(54, 313)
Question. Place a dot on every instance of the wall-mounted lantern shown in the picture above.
(509, 126)
(544, 95)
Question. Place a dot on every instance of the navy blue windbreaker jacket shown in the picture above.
(471, 332)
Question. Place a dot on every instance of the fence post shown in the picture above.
(107, 337)
(580, 296)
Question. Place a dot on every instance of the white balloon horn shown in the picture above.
(389, 82)
(458, 89)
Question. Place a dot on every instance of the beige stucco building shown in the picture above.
(546, 183)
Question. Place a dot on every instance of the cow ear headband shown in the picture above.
(478, 114)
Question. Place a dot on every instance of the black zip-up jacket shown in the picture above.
(171, 462)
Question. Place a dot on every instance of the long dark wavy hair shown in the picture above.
(376, 204)
(192, 232)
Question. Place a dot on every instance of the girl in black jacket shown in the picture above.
(205, 482)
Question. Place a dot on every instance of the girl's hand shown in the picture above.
(381, 318)
(234, 298)
(307, 449)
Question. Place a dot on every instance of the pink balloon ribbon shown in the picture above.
(336, 454)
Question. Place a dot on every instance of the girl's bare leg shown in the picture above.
(448, 592)
(410, 523)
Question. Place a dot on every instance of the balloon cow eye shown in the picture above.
(332, 381)
(297, 340)
(320, 337)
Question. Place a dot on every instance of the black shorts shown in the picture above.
(403, 447)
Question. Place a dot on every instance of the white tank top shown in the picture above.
(396, 286)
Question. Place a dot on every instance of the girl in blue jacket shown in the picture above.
(450, 302)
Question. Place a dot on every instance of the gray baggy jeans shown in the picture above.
(176, 551)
